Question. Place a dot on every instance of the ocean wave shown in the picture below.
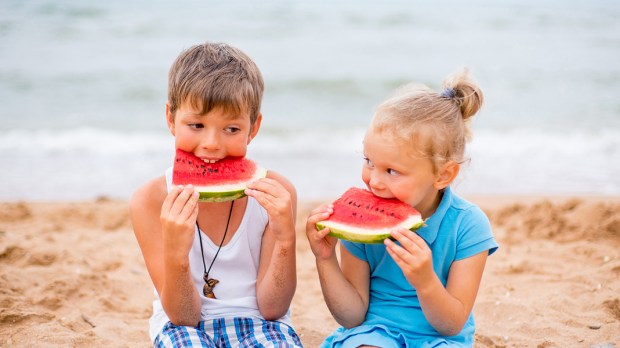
(86, 162)
(495, 143)
(83, 141)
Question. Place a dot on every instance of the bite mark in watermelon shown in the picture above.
(360, 216)
(224, 180)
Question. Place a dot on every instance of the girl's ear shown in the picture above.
(255, 127)
(447, 174)
(169, 118)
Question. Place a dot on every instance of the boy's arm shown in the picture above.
(151, 207)
(277, 274)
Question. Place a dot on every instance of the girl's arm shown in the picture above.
(164, 227)
(446, 308)
(277, 275)
(346, 289)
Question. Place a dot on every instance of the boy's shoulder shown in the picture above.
(151, 194)
(283, 181)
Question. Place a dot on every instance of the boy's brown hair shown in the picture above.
(213, 75)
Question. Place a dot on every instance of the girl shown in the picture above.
(419, 290)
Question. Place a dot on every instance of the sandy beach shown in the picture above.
(71, 275)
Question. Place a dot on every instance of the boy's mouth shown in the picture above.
(206, 160)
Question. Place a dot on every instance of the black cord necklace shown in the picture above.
(210, 283)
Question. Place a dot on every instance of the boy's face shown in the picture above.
(212, 136)
(389, 172)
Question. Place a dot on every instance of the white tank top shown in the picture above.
(236, 268)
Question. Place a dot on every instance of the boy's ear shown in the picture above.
(255, 127)
(169, 118)
(447, 174)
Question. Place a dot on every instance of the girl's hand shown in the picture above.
(413, 256)
(178, 220)
(321, 243)
(276, 200)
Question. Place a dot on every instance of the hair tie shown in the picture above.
(448, 93)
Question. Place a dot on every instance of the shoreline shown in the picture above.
(72, 274)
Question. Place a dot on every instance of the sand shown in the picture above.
(71, 275)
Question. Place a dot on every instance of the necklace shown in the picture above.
(210, 283)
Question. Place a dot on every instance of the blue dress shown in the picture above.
(457, 230)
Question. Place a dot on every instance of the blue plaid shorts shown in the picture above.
(229, 332)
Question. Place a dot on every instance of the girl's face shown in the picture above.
(212, 136)
(389, 172)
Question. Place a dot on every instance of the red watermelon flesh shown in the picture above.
(360, 216)
(219, 181)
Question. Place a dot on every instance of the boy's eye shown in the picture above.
(391, 171)
(368, 161)
(233, 129)
(196, 125)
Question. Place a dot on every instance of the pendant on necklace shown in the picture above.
(210, 283)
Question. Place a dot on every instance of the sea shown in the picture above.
(83, 86)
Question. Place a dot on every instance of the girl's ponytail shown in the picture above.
(463, 90)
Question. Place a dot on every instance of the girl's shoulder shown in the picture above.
(466, 208)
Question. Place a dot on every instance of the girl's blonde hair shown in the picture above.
(435, 124)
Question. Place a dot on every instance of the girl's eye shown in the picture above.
(391, 171)
(196, 125)
(368, 162)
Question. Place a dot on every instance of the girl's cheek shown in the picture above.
(365, 176)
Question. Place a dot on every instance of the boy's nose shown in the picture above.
(210, 141)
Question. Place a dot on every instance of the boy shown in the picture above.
(213, 111)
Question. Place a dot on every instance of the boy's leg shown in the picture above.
(172, 336)
(255, 332)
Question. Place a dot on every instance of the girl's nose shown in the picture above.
(375, 181)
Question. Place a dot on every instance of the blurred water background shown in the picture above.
(83, 86)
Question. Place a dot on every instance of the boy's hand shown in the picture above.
(178, 220)
(413, 256)
(321, 243)
(276, 200)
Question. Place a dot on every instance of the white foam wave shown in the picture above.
(86, 162)
(83, 140)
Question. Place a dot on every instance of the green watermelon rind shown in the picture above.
(367, 236)
(227, 192)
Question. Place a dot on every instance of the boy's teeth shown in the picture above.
(209, 161)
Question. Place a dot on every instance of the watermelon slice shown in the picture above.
(224, 180)
(360, 216)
